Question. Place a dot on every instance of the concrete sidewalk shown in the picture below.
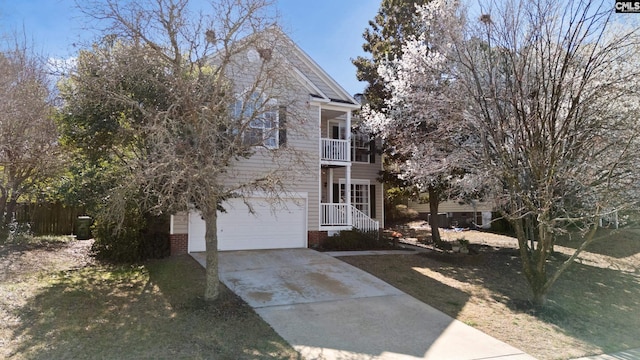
(327, 309)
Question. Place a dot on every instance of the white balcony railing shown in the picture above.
(347, 215)
(335, 150)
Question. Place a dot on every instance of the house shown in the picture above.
(337, 191)
(457, 213)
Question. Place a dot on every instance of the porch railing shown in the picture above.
(335, 150)
(363, 222)
(335, 215)
(338, 215)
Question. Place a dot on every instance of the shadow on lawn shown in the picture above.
(401, 274)
(595, 305)
(619, 244)
(154, 311)
(598, 306)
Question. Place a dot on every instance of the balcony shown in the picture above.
(334, 150)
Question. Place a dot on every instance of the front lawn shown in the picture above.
(56, 302)
(593, 308)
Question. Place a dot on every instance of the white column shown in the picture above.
(347, 192)
(347, 171)
(347, 131)
(486, 219)
(330, 186)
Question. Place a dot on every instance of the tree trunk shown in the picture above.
(3, 207)
(212, 287)
(434, 202)
(10, 209)
(533, 262)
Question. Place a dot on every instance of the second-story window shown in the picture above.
(361, 147)
(261, 119)
(263, 130)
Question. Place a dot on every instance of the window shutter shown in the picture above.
(282, 126)
(336, 193)
(372, 151)
(372, 200)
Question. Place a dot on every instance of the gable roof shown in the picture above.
(319, 83)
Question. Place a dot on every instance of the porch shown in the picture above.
(345, 203)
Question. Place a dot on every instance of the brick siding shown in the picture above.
(179, 244)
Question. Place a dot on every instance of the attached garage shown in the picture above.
(270, 226)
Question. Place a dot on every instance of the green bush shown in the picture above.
(400, 214)
(501, 225)
(355, 240)
(140, 237)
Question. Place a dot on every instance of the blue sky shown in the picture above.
(330, 31)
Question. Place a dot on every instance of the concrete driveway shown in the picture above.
(327, 309)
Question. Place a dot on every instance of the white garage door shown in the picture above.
(270, 227)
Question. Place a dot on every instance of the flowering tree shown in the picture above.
(548, 98)
(421, 122)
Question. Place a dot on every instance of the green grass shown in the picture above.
(150, 311)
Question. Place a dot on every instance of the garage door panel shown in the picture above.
(269, 227)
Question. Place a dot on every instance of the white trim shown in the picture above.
(171, 225)
(367, 182)
(322, 74)
(308, 84)
(340, 106)
(355, 181)
(317, 101)
(319, 153)
(288, 195)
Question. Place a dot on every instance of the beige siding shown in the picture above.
(315, 78)
(180, 223)
(296, 165)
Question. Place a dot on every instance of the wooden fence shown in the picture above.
(49, 218)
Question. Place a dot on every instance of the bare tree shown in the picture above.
(548, 94)
(28, 138)
(200, 94)
(551, 88)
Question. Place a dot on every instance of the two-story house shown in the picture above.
(338, 188)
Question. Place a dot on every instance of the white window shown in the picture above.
(361, 147)
(262, 118)
(359, 195)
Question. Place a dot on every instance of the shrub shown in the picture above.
(140, 237)
(401, 213)
(355, 240)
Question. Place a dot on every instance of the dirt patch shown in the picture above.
(592, 309)
(18, 260)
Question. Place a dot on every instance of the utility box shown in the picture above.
(83, 227)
